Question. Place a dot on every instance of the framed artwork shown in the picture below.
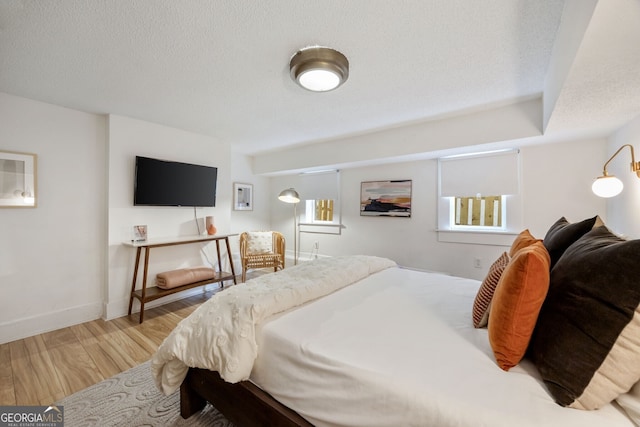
(17, 180)
(139, 233)
(386, 198)
(242, 197)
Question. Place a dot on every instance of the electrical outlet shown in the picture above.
(477, 263)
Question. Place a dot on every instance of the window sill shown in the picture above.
(477, 237)
(321, 228)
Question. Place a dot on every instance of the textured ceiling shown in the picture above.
(220, 67)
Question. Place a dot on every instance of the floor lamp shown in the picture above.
(291, 196)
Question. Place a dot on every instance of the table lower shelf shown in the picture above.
(153, 292)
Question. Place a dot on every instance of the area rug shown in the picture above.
(132, 399)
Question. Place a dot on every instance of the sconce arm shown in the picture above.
(635, 166)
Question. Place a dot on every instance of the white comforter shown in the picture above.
(398, 349)
(220, 334)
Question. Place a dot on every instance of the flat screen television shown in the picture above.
(166, 183)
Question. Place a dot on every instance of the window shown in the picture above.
(478, 212)
(321, 194)
(479, 194)
(319, 211)
(324, 210)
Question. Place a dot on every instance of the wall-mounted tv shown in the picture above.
(166, 183)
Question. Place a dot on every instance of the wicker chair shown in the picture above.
(261, 249)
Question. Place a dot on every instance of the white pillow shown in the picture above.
(630, 402)
(260, 242)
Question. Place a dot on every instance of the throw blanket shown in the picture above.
(183, 276)
(220, 334)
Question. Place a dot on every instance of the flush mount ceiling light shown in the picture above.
(608, 185)
(319, 69)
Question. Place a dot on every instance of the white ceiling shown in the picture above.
(220, 67)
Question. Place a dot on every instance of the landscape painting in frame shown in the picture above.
(17, 180)
(385, 198)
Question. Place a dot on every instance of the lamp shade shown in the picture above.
(289, 196)
(607, 186)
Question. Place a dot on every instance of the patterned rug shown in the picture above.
(132, 399)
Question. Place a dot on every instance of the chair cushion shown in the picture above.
(260, 242)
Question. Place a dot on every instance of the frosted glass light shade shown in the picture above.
(319, 80)
(607, 186)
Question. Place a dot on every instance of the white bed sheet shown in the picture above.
(398, 349)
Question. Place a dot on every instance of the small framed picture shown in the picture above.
(139, 233)
(17, 180)
(242, 197)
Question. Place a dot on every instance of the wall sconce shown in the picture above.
(608, 185)
(291, 196)
(319, 69)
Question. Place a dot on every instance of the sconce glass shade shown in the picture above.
(289, 196)
(319, 69)
(607, 186)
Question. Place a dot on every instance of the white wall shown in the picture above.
(256, 219)
(128, 138)
(63, 263)
(556, 181)
(52, 257)
(623, 209)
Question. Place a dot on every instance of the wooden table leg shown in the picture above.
(218, 254)
(233, 271)
(135, 278)
(144, 283)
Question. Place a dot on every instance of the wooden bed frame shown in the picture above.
(243, 403)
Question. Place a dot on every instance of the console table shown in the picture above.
(151, 293)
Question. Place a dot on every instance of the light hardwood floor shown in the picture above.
(42, 369)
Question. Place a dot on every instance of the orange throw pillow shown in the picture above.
(522, 240)
(516, 304)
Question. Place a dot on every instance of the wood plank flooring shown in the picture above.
(42, 369)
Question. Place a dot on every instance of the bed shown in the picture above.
(351, 341)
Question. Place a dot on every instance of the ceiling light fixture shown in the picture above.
(319, 69)
(608, 185)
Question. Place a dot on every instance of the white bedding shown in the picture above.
(220, 334)
(398, 349)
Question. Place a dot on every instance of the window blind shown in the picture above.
(494, 174)
(319, 186)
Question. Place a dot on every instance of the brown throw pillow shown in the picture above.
(586, 343)
(483, 298)
(522, 240)
(516, 304)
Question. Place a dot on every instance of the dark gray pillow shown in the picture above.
(585, 343)
(563, 234)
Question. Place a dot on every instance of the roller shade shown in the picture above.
(493, 174)
(318, 186)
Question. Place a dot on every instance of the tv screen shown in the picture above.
(166, 183)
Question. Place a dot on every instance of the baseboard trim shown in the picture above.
(47, 322)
